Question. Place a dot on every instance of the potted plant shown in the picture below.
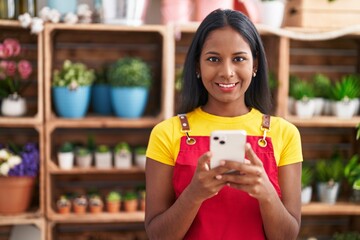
(122, 155)
(142, 199)
(130, 80)
(19, 167)
(307, 177)
(71, 89)
(130, 201)
(63, 205)
(140, 157)
(329, 174)
(352, 174)
(345, 95)
(83, 157)
(303, 94)
(80, 204)
(103, 156)
(95, 203)
(66, 156)
(358, 132)
(14, 78)
(272, 12)
(113, 201)
(100, 94)
(322, 92)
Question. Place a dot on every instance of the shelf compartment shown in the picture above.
(26, 219)
(21, 136)
(32, 50)
(97, 45)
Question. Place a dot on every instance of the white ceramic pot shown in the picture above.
(83, 161)
(306, 194)
(66, 160)
(140, 160)
(345, 109)
(305, 109)
(272, 13)
(13, 106)
(126, 12)
(103, 160)
(123, 160)
(328, 193)
(319, 106)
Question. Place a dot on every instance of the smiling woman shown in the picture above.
(224, 88)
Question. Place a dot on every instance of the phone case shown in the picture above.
(227, 145)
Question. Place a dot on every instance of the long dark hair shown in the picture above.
(194, 94)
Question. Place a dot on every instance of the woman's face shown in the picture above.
(226, 67)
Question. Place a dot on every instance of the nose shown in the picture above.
(227, 70)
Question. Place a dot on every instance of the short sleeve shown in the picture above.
(291, 151)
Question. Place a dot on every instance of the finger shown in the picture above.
(252, 157)
(204, 161)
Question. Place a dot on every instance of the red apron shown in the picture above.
(231, 214)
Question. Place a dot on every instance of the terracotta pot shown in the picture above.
(113, 207)
(79, 209)
(15, 194)
(131, 205)
(96, 209)
(64, 210)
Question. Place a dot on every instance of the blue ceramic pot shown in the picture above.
(129, 102)
(63, 6)
(71, 103)
(101, 99)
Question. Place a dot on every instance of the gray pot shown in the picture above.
(328, 193)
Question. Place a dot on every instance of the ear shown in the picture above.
(255, 64)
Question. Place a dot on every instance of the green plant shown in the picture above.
(82, 151)
(113, 196)
(73, 75)
(273, 83)
(352, 170)
(322, 85)
(122, 147)
(331, 170)
(358, 132)
(140, 150)
(347, 88)
(102, 148)
(347, 236)
(300, 89)
(66, 147)
(307, 176)
(130, 72)
(101, 76)
(130, 195)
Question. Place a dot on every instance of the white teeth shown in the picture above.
(227, 85)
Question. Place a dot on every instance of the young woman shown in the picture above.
(225, 87)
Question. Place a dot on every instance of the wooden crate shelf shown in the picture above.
(100, 218)
(340, 208)
(26, 219)
(32, 50)
(324, 121)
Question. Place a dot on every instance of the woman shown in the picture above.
(225, 87)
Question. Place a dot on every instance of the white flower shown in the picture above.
(44, 14)
(37, 25)
(4, 154)
(71, 18)
(54, 16)
(25, 20)
(4, 169)
(13, 161)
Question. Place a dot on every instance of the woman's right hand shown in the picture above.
(206, 182)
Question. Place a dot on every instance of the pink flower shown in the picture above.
(13, 45)
(25, 69)
(5, 51)
(10, 68)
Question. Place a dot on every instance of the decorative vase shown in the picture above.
(129, 102)
(100, 99)
(71, 103)
(15, 194)
(13, 106)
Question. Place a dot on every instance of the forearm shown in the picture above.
(278, 222)
(175, 221)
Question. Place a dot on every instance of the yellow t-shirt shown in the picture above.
(164, 143)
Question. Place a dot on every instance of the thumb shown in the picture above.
(204, 162)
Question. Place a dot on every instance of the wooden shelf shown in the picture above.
(324, 121)
(104, 217)
(340, 208)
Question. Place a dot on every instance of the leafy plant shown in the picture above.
(73, 75)
(130, 72)
(358, 132)
(346, 89)
(82, 151)
(113, 196)
(331, 170)
(273, 83)
(140, 150)
(300, 89)
(130, 195)
(122, 147)
(322, 85)
(102, 148)
(347, 236)
(66, 147)
(307, 176)
(352, 170)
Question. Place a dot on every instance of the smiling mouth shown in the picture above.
(228, 85)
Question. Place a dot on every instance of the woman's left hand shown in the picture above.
(251, 178)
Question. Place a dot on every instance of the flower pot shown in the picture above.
(63, 6)
(103, 160)
(96, 208)
(83, 161)
(66, 160)
(345, 109)
(328, 193)
(13, 106)
(15, 194)
(123, 160)
(100, 99)
(71, 103)
(306, 194)
(129, 102)
(126, 12)
(113, 206)
(140, 160)
(176, 11)
(204, 7)
(272, 13)
(304, 109)
(130, 205)
(319, 106)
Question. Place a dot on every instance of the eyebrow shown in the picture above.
(216, 53)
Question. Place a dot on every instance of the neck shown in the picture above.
(227, 110)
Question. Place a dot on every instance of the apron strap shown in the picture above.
(185, 127)
(265, 127)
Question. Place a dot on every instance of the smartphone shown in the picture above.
(227, 145)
